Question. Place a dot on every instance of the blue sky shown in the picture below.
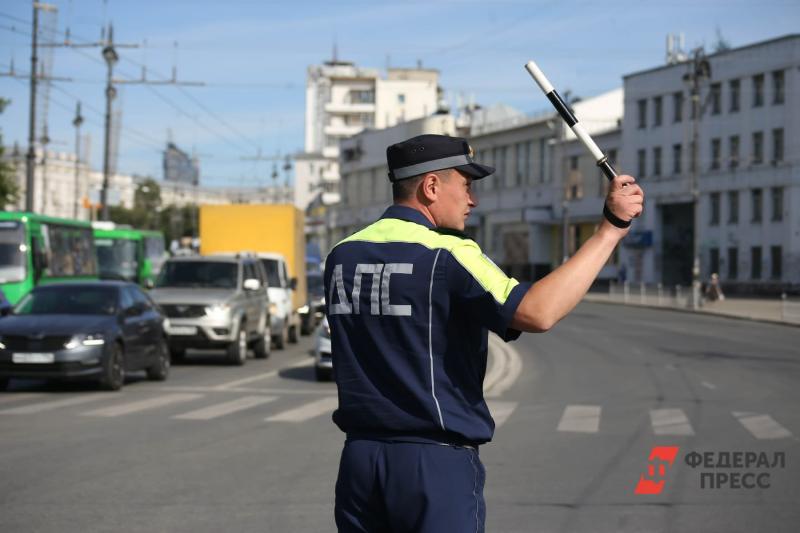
(253, 55)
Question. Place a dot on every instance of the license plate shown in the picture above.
(182, 330)
(33, 358)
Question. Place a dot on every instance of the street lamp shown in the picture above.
(699, 72)
(111, 57)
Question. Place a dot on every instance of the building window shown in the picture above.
(401, 98)
(758, 147)
(733, 263)
(642, 163)
(499, 157)
(714, 260)
(734, 86)
(657, 161)
(521, 166)
(677, 155)
(528, 169)
(755, 262)
(542, 160)
(777, 145)
(758, 90)
(777, 87)
(777, 203)
(642, 113)
(716, 98)
(677, 107)
(714, 218)
(715, 153)
(733, 207)
(756, 201)
(657, 110)
(733, 148)
(776, 262)
(362, 97)
(573, 162)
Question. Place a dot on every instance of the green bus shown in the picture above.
(127, 253)
(36, 249)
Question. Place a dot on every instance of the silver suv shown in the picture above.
(215, 302)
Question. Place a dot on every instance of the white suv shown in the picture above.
(284, 318)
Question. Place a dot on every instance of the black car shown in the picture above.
(84, 330)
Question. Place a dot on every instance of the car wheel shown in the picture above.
(237, 351)
(293, 336)
(160, 369)
(113, 377)
(262, 346)
(322, 374)
(281, 338)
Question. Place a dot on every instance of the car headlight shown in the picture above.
(2, 346)
(273, 309)
(84, 340)
(303, 310)
(218, 309)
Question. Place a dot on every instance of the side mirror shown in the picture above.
(252, 284)
(293, 283)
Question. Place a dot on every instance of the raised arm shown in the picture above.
(554, 296)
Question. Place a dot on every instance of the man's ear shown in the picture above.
(431, 186)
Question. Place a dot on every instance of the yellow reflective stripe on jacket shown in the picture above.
(465, 251)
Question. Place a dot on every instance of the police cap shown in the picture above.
(428, 153)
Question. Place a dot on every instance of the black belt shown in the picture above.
(440, 440)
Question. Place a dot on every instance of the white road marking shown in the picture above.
(501, 411)
(580, 419)
(708, 385)
(762, 427)
(53, 404)
(670, 422)
(259, 377)
(252, 390)
(226, 408)
(306, 412)
(142, 405)
(510, 369)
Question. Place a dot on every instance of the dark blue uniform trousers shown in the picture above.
(399, 487)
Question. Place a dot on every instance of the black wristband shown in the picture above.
(614, 219)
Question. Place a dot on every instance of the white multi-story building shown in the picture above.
(748, 172)
(342, 100)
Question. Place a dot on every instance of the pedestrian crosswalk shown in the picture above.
(296, 408)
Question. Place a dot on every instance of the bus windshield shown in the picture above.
(12, 252)
(117, 258)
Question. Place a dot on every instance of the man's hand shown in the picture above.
(625, 200)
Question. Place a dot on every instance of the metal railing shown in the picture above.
(650, 294)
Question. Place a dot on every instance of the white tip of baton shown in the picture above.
(539, 77)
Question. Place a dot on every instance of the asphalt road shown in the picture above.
(220, 448)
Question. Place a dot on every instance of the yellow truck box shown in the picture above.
(274, 228)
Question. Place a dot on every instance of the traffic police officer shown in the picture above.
(410, 301)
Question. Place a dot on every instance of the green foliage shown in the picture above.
(9, 190)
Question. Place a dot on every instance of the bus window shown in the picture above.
(13, 252)
(71, 251)
(116, 258)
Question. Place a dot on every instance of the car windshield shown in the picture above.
(117, 258)
(210, 274)
(12, 252)
(68, 300)
(271, 266)
(315, 286)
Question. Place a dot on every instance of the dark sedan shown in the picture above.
(86, 330)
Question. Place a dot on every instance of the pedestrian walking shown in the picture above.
(410, 301)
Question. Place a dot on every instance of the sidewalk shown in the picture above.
(766, 310)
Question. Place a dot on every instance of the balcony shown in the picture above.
(348, 107)
(342, 130)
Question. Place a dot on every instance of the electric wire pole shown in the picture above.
(77, 121)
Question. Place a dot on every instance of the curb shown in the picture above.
(686, 310)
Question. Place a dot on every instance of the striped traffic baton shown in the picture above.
(566, 114)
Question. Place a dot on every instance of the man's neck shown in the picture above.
(413, 204)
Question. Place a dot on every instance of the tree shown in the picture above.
(9, 190)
